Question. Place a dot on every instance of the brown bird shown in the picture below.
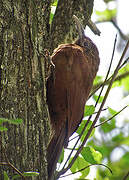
(76, 66)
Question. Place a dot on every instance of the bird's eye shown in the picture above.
(85, 44)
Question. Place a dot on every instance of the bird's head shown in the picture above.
(80, 31)
(84, 41)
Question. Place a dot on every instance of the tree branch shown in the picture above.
(98, 114)
(118, 78)
(111, 117)
(124, 37)
(127, 175)
(86, 168)
(8, 163)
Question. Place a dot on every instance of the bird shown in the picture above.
(68, 88)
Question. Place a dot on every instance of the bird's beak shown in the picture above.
(80, 28)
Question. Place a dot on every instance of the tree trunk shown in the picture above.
(24, 34)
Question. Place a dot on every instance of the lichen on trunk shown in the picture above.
(24, 34)
(23, 91)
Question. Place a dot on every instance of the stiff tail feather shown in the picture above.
(54, 151)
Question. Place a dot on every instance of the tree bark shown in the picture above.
(24, 34)
(63, 29)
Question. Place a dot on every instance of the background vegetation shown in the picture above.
(27, 28)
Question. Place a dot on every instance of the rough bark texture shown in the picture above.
(63, 28)
(24, 34)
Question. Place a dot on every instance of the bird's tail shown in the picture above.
(54, 151)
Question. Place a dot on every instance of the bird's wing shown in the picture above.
(66, 97)
(80, 83)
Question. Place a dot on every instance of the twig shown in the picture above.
(78, 135)
(124, 37)
(86, 168)
(111, 117)
(15, 169)
(74, 138)
(102, 110)
(124, 62)
(119, 30)
(76, 142)
(118, 78)
(8, 163)
(127, 175)
(98, 114)
(109, 69)
(93, 27)
(89, 116)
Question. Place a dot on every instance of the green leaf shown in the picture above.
(15, 121)
(61, 157)
(125, 141)
(118, 138)
(112, 111)
(125, 80)
(51, 17)
(26, 174)
(53, 6)
(31, 173)
(3, 129)
(81, 127)
(107, 1)
(108, 126)
(79, 164)
(107, 14)
(55, 3)
(96, 98)
(103, 148)
(11, 121)
(89, 110)
(91, 156)
(98, 79)
(6, 176)
(125, 159)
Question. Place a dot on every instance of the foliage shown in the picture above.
(113, 140)
(112, 137)
(53, 7)
(10, 121)
(26, 174)
(79, 130)
(101, 150)
(123, 82)
(91, 156)
(106, 15)
(79, 164)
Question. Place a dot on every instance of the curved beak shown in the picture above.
(79, 28)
